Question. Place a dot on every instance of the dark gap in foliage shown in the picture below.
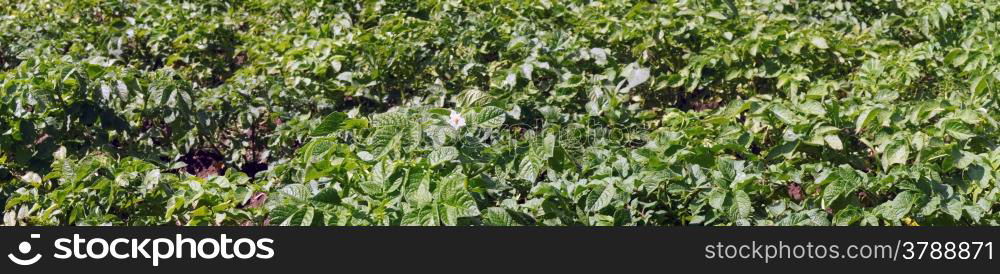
(204, 163)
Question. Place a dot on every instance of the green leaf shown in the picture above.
(848, 216)
(636, 76)
(454, 201)
(330, 124)
(813, 107)
(742, 206)
(174, 203)
(784, 150)
(307, 216)
(287, 215)
(978, 85)
(846, 183)
(150, 182)
(442, 155)
(834, 142)
(957, 57)
(896, 153)
(528, 170)
(960, 159)
(422, 215)
(327, 195)
(899, 207)
(295, 192)
(785, 115)
(865, 118)
(548, 145)
(716, 15)
(496, 216)
(607, 194)
(490, 117)
(716, 199)
(982, 175)
(956, 128)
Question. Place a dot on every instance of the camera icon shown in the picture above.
(25, 248)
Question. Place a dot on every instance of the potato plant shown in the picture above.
(500, 112)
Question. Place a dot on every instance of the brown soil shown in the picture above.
(795, 191)
(204, 163)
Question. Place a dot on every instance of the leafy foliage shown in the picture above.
(499, 112)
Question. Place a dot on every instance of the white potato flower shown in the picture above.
(455, 120)
(32, 177)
